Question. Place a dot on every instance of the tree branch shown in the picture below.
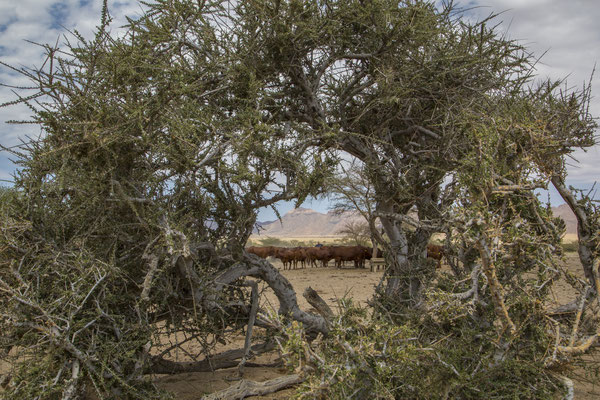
(244, 388)
(495, 286)
(226, 359)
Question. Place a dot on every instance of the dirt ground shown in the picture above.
(332, 284)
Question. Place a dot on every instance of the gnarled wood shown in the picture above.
(318, 303)
(584, 231)
(244, 388)
(256, 267)
(227, 359)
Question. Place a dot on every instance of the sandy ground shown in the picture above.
(332, 284)
(569, 238)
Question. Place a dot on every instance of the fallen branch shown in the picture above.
(256, 267)
(227, 359)
(318, 303)
(244, 388)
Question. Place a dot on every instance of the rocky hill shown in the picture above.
(564, 212)
(304, 222)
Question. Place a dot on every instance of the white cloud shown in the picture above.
(567, 30)
(42, 22)
(569, 34)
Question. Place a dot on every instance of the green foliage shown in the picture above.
(161, 145)
(273, 241)
(356, 233)
(368, 356)
(362, 357)
(156, 153)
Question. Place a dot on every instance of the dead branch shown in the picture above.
(227, 359)
(474, 290)
(251, 321)
(256, 267)
(495, 286)
(244, 388)
(318, 303)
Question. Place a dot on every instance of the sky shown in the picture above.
(567, 33)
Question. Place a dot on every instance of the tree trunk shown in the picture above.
(585, 232)
(404, 275)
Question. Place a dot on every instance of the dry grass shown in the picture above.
(320, 239)
(569, 238)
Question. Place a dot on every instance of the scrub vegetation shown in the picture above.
(122, 240)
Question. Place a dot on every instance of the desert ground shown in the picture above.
(333, 284)
(330, 283)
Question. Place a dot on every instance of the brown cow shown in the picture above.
(435, 252)
(342, 254)
(314, 254)
(285, 255)
(262, 252)
(300, 256)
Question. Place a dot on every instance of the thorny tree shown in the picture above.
(130, 213)
(132, 210)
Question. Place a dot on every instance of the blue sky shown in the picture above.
(567, 32)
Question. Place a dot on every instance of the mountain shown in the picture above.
(564, 212)
(304, 222)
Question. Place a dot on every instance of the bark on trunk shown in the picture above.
(256, 267)
(405, 274)
(584, 231)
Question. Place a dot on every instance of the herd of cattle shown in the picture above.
(313, 256)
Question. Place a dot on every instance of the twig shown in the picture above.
(251, 320)
(578, 316)
(495, 286)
